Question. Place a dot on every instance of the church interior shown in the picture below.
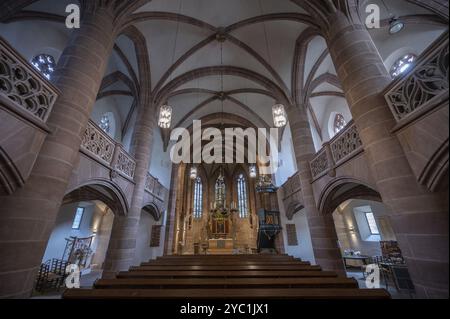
(93, 205)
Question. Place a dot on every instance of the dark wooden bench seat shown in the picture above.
(224, 274)
(136, 283)
(222, 262)
(226, 277)
(277, 293)
(225, 267)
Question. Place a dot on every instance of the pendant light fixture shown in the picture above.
(278, 112)
(165, 110)
(279, 115)
(165, 116)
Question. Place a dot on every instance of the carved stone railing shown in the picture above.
(23, 85)
(424, 84)
(99, 145)
(125, 164)
(292, 195)
(153, 186)
(345, 145)
(291, 186)
(319, 165)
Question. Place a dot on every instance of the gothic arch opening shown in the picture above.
(148, 241)
(80, 236)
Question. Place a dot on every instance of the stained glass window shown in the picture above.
(242, 196)
(220, 191)
(45, 64)
(198, 198)
(402, 65)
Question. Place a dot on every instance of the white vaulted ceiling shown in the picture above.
(263, 39)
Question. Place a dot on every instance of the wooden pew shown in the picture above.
(225, 267)
(224, 274)
(227, 294)
(222, 262)
(259, 283)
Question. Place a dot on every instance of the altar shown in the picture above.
(220, 246)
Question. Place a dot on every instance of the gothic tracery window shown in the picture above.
(402, 65)
(45, 64)
(242, 196)
(198, 198)
(220, 190)
(105, 123)
(339, 123)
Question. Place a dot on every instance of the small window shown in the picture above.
(372, 224)
(339, 123)
(78, 217)
(45, 64)
(242, 196)
(402, 65)
(198, 198)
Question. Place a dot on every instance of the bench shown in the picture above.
(258, 294)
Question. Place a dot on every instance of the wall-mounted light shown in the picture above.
(396, 25)
(165, 116)
(279, 115)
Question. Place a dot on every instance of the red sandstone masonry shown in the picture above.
(39, 200)
(364, 78)
(322, 229)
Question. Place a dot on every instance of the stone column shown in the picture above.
(171, 211)
(322, 229)
(27, 217)
(420, 218)
(122, 244)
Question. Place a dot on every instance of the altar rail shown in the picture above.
(424, 85)
(341, 148)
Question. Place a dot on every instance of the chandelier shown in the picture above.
(279, 115)
(165, 116)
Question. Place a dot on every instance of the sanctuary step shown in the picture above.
(225, 277)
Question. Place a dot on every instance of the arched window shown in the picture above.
(220, 191)
(402, 65)
(339, 123)
(105, 123)
(198, 198)
(242, 196)
(45, 64)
